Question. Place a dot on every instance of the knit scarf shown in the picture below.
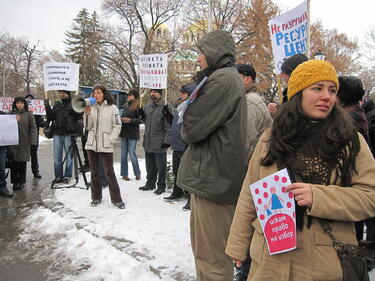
(307, 166)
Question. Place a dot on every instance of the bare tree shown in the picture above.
(369, 52)
(13, 58)
(341, 51)
(368, 79)
(142, 31)
(227, 14)
(256, 47)
(18, 65)
(30, 54)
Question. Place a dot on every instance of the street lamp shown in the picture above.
(319, 55)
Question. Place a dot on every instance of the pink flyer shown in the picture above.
(276, 211)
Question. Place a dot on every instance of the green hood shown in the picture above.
(219, 48)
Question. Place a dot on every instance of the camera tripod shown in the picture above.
(76, 161)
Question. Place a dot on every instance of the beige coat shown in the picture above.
(104, 126)
(258, 119)
(314, 258)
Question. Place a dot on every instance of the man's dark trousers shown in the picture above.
(156, 167)
(176, 159)
(34, 159)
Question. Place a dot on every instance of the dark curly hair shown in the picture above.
(334, 138)
(20, 99)
(107, 95)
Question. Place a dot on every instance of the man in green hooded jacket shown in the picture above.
(214, 165)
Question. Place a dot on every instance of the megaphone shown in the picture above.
(79, 103)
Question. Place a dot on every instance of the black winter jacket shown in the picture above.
(63, 117)
(172, 117)
(130, 130)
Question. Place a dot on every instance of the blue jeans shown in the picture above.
(3, 157)
(128, 147)
(61, 143)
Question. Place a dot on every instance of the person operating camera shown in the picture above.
(65, 124)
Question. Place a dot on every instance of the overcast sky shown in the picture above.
(47, 20)
(43, 20)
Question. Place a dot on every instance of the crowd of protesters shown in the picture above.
(227, 138)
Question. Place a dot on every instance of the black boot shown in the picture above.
(187, 206)
(173, 197)
(96, 202)
(120, 205)
(5, 192)
(159, 191)
(146, 187)
(57, 180)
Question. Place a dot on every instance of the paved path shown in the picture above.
(15, 261)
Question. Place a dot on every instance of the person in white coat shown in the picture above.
(103, 123)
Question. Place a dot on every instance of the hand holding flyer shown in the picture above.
(276, 211)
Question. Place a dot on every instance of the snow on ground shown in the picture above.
(43, 139)
(149, 240)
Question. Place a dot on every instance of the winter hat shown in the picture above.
(351, 89)
(160, 91)
(29, 95)
(310, 72)
(133, 92)
(292, 62)
(247, 70)
(65, 91)
(368, 105)
(188, 88)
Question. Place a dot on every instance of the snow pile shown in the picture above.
(149, 240)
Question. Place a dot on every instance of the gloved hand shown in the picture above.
(141, 112)
(165, 110)
(165, 145)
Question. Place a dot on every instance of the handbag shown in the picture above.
(353, 258)
(48, 129)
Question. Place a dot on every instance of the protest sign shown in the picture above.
(276, 211)
(35, 106)
(9, 130)
(61, 76)
(153, 72)
(289, 34)
(6, 104)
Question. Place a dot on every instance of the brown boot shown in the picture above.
(126, 178)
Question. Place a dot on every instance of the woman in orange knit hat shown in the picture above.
(334, 180)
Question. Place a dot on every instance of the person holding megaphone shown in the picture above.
(103, 123)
